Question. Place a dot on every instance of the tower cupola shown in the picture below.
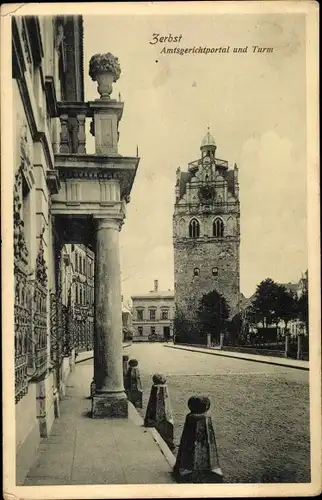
(208, 145)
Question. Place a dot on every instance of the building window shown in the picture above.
(140, 330)
(196, 271)
(140, 314)
(218, 228)
(152, 330)
(194, 229)
(215, 271)
(165, 314)
(152, 314)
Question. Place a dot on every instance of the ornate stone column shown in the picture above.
(109, 400)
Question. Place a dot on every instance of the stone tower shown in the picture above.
(206, 231)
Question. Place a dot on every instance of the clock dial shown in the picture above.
(206, 194)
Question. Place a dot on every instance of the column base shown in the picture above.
(109, 405)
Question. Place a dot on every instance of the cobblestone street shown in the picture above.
(260, 412)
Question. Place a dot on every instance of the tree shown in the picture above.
(286, 306)
(213, 313)
(265, 304)
(181, 326)
(302, 309)
(235, 328)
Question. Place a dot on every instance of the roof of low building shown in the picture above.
(167, 294)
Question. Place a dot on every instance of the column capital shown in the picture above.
(108, 223)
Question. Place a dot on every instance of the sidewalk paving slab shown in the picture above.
(82, 450)
(290, 363)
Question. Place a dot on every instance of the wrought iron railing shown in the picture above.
(23, 332)
(40, 327)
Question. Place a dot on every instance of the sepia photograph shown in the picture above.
(161, 301)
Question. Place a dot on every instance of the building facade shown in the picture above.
(67, 207)
(82, 259)
(153, 314)
(206, 232)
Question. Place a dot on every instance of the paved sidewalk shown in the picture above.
(82, 450)
(291, 363)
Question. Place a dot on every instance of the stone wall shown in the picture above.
(206, 255)
(27, 434)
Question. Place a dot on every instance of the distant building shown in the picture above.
(83, 295)
(206, 231)
(153, 314)
(127, 326)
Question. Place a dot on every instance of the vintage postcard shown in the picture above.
(160, 215)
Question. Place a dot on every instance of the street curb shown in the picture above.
(227, 355)
(165, 450)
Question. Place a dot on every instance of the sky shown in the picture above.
(255, 106)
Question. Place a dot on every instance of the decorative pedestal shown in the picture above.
(109, 405)
(158, 412)
(134, 385)
(197, 459)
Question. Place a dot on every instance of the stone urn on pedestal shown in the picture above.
(105, 70)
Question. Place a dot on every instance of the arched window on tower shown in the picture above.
(218, 228)
(196, 271)
(194, 229)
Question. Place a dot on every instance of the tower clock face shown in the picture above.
(206, 194)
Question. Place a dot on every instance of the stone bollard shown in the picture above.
(287, 345)
(125, 370)
(299, 354)
(222, 338)
(208, 339)
(134, 385)
(158, 412)
(197, 459)
(92, 388)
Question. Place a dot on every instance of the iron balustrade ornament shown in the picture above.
(41, 266)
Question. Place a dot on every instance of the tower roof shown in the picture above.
(208, 140)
